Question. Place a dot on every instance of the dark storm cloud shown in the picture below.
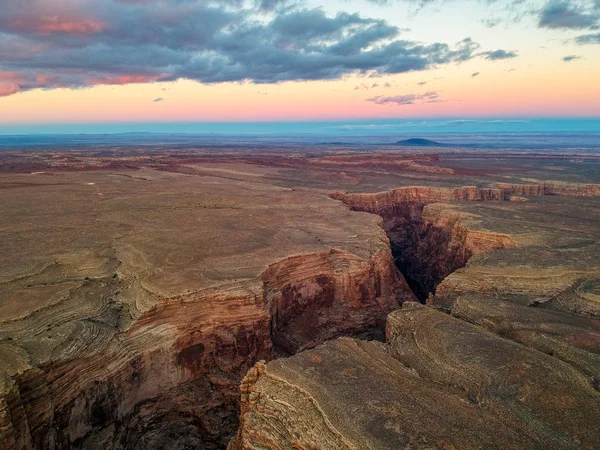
(271, 5)
(80, 43)
(562, 14)
(406, 99)
(499, 54)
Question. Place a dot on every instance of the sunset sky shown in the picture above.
(157, 61)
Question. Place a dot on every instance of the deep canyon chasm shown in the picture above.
(125, 374)
(121, 397)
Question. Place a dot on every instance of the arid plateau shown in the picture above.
(299, 298)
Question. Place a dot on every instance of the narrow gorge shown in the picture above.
(143, 397)
(428, 246)
(139, 366)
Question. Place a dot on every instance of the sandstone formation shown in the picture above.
(552, 188)
(129, 319)
(138, 291)
(429, 243)
(512, 363)
(439, 382)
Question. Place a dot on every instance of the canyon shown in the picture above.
(250, 303)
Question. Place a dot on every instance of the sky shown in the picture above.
(84, 62)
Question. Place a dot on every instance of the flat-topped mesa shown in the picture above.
(428, 240)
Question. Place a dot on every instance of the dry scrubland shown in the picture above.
(403, 300)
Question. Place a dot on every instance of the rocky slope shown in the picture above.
(133, 302)
(513, 363)
(133, 324)
(439, 382)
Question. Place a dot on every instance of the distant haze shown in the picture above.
(338, 128)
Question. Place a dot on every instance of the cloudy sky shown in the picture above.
(70, 61)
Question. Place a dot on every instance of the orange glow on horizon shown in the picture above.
(497, 91)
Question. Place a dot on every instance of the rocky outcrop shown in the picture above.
(429, 241)
(514, 363)
(312, 298)
(127, 392)
(439, 382)
(419, 194)
(176, 370)
(574, 340)
(551, 188)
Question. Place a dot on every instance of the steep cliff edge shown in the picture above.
(177, 369)
(125, 331)
(312, 298)
(551, 188)
(438, 382)
(428, 240)
(514, 363)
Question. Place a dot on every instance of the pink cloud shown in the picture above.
(125, 79)
(8, 89)
(46, 25)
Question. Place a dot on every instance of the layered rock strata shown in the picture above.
(133, 323)
(429, 243)
(505, 354)
(132, 304)
(439, 382)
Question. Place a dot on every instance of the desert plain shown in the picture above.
(299, 298)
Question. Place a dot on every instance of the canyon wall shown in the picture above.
(171, 379)
(438, 382)
(428, 240)
(551, 188)
(312, 298)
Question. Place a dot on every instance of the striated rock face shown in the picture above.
(176, 369)
(312, 298)
(439, 382)
(574, 340)
(513, 364)
(551, 188)
(187, 387)
(419, 194)
(133, 324)
(428, 243)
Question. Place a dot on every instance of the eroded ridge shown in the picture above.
(504, 355)
(438, 382)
